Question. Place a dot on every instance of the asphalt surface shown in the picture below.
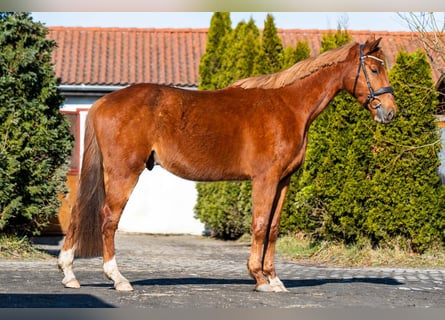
(197, 272)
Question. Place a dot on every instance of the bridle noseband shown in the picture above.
(372, 94)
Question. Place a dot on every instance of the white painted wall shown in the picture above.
(442, 156)
(160, 202)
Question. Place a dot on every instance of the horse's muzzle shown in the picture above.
(384, 115)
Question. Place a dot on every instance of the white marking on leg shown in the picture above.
(65, 262)
(112, 272)
(277, 285)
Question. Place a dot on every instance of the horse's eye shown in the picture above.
(374, 70)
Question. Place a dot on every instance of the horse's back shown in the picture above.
(198, 135)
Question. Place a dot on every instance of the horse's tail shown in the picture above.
(86, 213)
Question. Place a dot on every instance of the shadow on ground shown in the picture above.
(287, 283)
(26, 300)
(48, 244)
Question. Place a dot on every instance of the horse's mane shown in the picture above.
(298, 71)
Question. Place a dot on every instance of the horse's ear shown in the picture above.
(371, 45)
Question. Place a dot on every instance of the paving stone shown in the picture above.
(196, 272)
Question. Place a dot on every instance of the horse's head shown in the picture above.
(368, 82)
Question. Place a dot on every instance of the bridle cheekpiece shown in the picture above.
(372, 96)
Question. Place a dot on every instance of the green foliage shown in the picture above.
(270, 59)
(365, 182)
(13, 247)
(342, 178)
(334, 40)
(293, 55)
(224, 209)
(4, 15)
(407, 198)
(243, 46)
(210, 65)
(34, 137)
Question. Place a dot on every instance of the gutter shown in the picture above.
(87, 90)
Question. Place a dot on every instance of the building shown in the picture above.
(92, 62)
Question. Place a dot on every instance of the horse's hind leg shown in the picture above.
(66, 258)
(118, 186)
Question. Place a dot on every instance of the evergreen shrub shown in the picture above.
(34, 136)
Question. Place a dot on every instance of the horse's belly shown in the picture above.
(202, 168)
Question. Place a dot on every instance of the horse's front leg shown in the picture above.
(269, 254)
(263, 194)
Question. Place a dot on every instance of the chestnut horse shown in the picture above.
(256, 129)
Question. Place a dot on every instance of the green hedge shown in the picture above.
(34, 137)
(367, 182)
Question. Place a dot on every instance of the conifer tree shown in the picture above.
(210, 65)
(34, 137)
(270, 59)
(334, 40)
(407, 197)
(243, 46)
(217, 203)
(293, 55)
(360, 181)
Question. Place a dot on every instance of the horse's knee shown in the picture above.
(259, 228)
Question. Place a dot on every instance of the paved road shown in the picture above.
(196, 272)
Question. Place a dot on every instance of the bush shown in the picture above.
(222, 206)
(34, 137)
(364, 182)
(406, 197)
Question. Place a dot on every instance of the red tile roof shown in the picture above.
(122, 56)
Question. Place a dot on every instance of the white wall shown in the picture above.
(442, 155)
(160, 202)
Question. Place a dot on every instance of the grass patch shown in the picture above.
(14, 248)
(364, 255)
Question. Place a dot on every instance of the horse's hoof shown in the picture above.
(279, 288)
(277, 285)
(72, 283)
(123, 286)
(264, 288)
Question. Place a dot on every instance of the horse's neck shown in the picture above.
(312, 94)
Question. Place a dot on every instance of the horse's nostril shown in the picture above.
(390, 115)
